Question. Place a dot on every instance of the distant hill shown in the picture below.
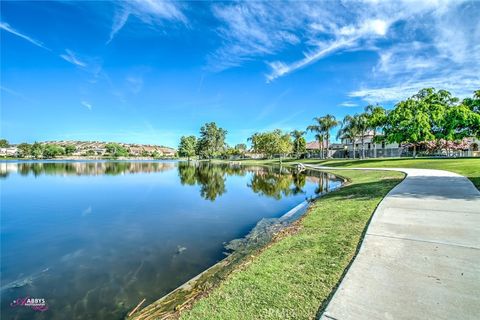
(99, 148)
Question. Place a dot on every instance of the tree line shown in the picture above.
(39, 150)
(431, 119)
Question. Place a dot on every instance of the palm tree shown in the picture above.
(318, 128)
(320, 137)
(349, 130)
(361, 121)
(376, 118)
(328, 122)
(297, 136)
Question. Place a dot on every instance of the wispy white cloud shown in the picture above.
(5, 26)
(252, 29)
(348, 104)
(280, 68)
(135, 83)
(151, 12)
(15, 93)
(419, 43)
(70, 57)
(269, 108)
(448, 57)
(87, 105)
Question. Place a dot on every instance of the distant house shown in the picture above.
(315, 146)
(167, 152)
(9, 152)
(473, 147)
(368, 142)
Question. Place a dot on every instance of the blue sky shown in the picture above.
(151, 71)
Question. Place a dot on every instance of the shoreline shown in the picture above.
(172, 303)
(5, 159)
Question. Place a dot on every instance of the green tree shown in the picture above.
(116, 150)
(322, 128)
(299, 143)
(376, 120)
(422, 117)
(241, 149)
(350, 130)
(24, 150)
(361, 122)
(70, 149)
(272, 143)
(328, 122)
(52, 151)
(145, 153)
(187, 146)
(241, 146)
(37, 150)
(460, 122)
(90, 152)
(4, 143)
(212, 141)
(473, 103)
(319, 131)
(231, 152)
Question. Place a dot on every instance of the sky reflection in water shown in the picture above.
(95, 238)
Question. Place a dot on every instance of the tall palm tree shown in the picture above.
(297, 136)
(349, 130)
(376, 118)
(318, 128)
(361, 122)
(328, 122)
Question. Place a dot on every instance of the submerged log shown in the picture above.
(136, 308)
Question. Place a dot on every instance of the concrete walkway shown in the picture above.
(420, 258)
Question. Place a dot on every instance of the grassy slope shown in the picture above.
(292, 277)
(468, 167)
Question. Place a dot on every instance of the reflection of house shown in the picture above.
(8, 152)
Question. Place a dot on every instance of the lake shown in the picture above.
(93, 238)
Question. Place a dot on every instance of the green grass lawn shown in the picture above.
(468, 167)
(294, 276)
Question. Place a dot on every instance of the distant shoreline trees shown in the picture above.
(272, 143)
(79, 149)
(210, 144)
(432, 115)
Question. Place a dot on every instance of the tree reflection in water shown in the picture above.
(84, 168)
(275, 182)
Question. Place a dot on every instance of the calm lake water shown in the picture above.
(95, 238)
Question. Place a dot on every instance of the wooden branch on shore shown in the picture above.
(136, 308)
